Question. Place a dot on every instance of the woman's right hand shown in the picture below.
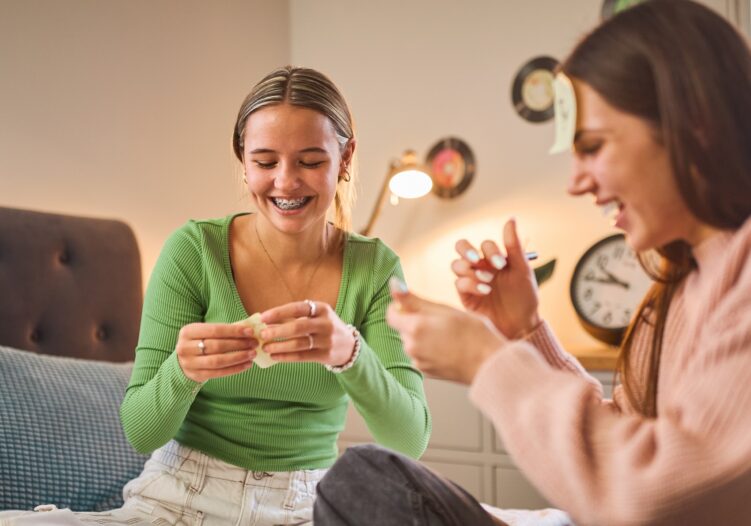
(502, 288)
(226, 349)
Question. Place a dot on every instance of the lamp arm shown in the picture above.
(378, 205)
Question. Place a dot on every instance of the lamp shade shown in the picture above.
(410, 183)
(405, 178)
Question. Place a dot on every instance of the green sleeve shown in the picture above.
(383, 386)
(159, 394)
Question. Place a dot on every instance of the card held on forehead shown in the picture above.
(565, 113)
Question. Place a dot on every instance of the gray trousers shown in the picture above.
(370, 485)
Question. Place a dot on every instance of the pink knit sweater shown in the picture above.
(606, 464)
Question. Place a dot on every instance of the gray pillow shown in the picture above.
(60, 437)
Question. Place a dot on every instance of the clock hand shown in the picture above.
(609, 281)
(612, 278)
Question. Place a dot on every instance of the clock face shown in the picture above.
(607, 287)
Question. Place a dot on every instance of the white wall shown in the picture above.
(125, 108)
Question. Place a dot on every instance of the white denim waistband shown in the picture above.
(180, 457)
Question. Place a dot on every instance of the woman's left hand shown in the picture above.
(442, 341)
(307, 331)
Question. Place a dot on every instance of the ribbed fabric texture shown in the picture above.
(286, 417)
(602, 461)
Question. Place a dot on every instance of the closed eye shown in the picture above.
(265, 165)
(315, 164)
(586, 149)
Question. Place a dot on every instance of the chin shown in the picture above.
(291, 224)
(638, 241)
(643, 241)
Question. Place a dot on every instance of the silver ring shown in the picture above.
(202, 346)
(312, 307)
(310, 342)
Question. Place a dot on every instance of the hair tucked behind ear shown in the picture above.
(687, 72)
(311, 89)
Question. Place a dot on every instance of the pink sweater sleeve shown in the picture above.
(546, 342)
(691, 465)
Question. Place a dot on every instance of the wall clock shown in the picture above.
(532, 91)
(452, 166)
(607, 287)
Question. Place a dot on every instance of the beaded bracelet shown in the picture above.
(355, 353)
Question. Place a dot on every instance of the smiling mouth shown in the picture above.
(611, 208)
(290, 204)
(612, 211)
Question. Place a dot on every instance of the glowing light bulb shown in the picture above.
(410, 183)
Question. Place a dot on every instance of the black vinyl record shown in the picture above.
(532, 91)
(452, 166)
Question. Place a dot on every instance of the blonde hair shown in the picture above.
(311, 89)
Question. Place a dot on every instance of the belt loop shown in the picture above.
(199, 477)
(292, 489)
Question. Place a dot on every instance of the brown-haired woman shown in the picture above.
(663, 132)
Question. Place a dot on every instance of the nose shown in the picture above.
(286, 178)
(581, 181)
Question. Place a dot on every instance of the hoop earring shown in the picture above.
(346, 177)
(245, 180)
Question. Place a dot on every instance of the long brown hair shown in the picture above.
(311, 89)
(687, 72)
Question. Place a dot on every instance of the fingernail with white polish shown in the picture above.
(483, 289)
(484, 275)
(473, 256)
(498, 261)
(397, 284)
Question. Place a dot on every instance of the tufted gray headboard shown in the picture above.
(69, 286)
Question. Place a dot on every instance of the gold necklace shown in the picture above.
(279, 273)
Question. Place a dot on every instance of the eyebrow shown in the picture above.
(312, 149)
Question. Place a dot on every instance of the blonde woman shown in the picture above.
(232, 442)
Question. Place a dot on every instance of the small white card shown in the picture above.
(564, 107)
(263, 359)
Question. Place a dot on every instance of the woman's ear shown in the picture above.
(348, 152)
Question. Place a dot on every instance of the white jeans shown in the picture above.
(183, 486)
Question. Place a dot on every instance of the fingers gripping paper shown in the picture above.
(263, 359)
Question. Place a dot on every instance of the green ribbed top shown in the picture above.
(286, 417)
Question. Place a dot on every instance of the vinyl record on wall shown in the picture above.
(452, 167)
(532, 91)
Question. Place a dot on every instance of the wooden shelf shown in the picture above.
(597, 359)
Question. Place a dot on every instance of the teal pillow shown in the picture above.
(60, 437)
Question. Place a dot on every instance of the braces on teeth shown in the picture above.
(287, 204)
